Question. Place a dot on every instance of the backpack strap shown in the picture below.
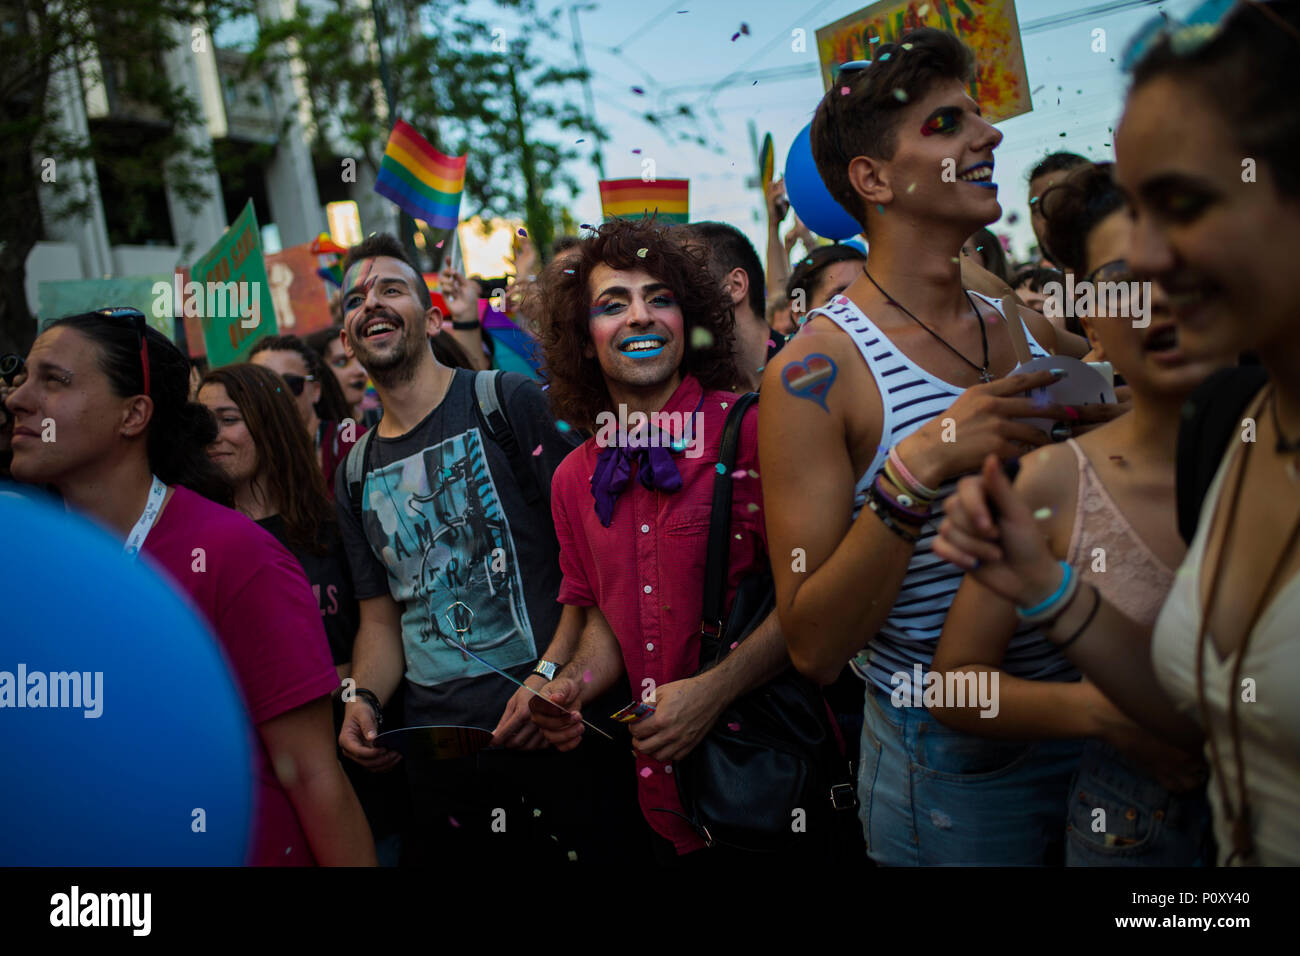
(489, 399)
(715, 567)
(1210, 417)
(356, 465)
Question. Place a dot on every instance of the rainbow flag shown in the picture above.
(634, 199)
(766, 161)
(422, 181)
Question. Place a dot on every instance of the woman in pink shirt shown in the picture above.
(129, 452)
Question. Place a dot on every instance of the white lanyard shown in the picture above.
(134, 541)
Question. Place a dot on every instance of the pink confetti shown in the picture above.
(734, 645)
(537, 451)
(844, 91)
(586, 679)
(454, 822)
(645, 772)
(439, 243)
(742, 473)
(731, 726)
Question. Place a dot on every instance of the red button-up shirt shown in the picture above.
(646, 570)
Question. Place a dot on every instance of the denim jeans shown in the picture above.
(932, 795)
(1142, 823)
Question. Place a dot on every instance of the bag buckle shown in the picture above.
(844, 796)
(716, 631)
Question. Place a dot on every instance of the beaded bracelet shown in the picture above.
(1047, 609)
(900, 504)
(910, 482)
(882, 512)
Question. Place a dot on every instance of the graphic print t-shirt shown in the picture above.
(446, 531)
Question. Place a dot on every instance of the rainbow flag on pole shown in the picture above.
(422, 181)
(634, 199)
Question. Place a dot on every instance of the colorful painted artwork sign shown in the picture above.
(300, 295)
(989, 27)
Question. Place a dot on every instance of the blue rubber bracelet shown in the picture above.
(1056, 595)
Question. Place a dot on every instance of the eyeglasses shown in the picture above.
(1117, 270)
(137, 317)
(11, 366)
(1189, 35)
(297, 383)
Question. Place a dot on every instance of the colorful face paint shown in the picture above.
(944, 121)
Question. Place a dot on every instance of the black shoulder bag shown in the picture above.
(772, 775)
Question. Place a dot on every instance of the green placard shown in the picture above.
(230, 293)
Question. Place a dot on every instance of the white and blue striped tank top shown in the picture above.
(910, 397)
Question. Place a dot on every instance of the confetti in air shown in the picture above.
(721, 468)
(537, 451)
(1042, 514)
(751, 507)
(563, 426)
(645, 772)
(523, 232)
(638, 91)
(641, 253)
(844, 91)
(701, 338)
(900, 94)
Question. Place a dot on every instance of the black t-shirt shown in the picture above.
(446, 531)
(331, 582)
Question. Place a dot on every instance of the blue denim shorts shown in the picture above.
(1140, 823)
(933, 796)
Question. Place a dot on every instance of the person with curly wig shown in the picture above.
(638, 341)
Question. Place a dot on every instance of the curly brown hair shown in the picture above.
(563, 308)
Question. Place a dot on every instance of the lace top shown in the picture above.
(1134, 580)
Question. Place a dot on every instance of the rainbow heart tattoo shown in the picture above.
(810, 379)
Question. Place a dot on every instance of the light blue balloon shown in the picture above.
(172, 736)
(809, 196)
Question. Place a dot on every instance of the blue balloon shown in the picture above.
(809, 196)
(152, 729)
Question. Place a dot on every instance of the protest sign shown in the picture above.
(231, 294)
(989, 27)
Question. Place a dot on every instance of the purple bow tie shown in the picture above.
(657, 471)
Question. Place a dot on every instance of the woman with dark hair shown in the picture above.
(261, 448)
(1108, 500)
(131, 453)
(987, 248)
(1220, 668)
(823, 274)
(325, 413)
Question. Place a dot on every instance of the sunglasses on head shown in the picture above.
(846, 73)
(136, 317)
(1190, 34)
(11, 366)
(297, 383)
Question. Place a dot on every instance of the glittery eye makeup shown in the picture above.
(945, 121)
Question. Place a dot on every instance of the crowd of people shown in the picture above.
(488, 551)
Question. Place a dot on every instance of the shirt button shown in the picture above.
(647, 589)
(645, 529)
(668, 768)
(649, 646)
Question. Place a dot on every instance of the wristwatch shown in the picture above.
(546, 669)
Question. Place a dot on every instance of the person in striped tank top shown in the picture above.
(879, 402)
